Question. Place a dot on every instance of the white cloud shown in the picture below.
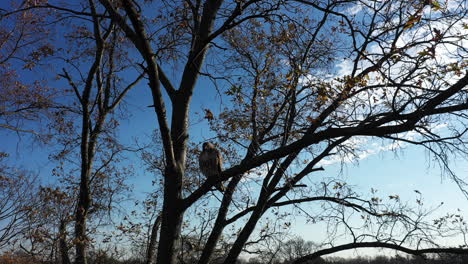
(345, 67)
(373, 148)
(374, 100)
(354, 10)
(452, 5)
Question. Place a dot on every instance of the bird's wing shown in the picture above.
(203, 162)
(201, 158)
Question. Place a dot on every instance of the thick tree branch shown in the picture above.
(416, 252)
(141, 42)
(372, 129)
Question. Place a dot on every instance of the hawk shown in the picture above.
(211, 162)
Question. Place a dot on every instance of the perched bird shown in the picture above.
(211, 162)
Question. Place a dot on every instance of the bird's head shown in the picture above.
(207, 146)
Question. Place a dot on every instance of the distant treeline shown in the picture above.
(447, 259)
(441, 259)
(104, 259)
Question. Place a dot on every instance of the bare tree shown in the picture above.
(284, 107)
(23, 47)
(46, 237)
(18, 202)
(307, 81)
(98, 93)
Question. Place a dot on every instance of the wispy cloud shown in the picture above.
(364, 147)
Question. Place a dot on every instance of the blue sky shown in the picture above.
(400, 172)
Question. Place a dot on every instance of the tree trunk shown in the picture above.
(84, 200)
(170, 236)
(63, 247)
(243, 237)
(220, 222)
(80, 223)
(151, 251)
(171, 218)
(267, 189)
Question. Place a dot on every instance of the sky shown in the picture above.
(400, 171)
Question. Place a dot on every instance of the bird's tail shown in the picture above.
(220, 187)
